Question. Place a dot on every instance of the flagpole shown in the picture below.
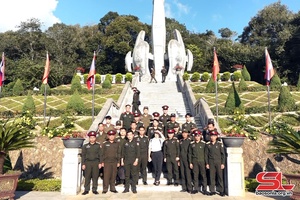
(93, 99)
(45, 103)
(269, 107)
(216, 89)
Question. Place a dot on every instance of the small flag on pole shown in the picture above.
(47, 70)
(2, 69)
(269, 67)
(91, 77)
(216, 67)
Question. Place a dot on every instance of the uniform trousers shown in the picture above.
(157, 161)
(199, 167)
(172, 168)
(131, 176)
(110, 173)
(143, 162)
(215, 170)
(186, 177)
(91, 173)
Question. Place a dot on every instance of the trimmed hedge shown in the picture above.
(286, 101)
(118, 78)
(246, 74)
(275, 83)
(29, 104)
(195, 77)
(75, 84)
(128, 77)
(205, 77)
(237, 75)
(18, 89)
(225, 76)
(108, 77)
(46, 185)
(106, 84)
(76, 104)
(185, 76)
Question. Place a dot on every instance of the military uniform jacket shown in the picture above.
(144, 143)
(121, 141)
(131, 151)
(136, 97)
(146, 119)
(127, 118)
(91, 152)
(135, 132)
(214, 152)
(170, 125)
(139, 124)
(111, 152)
(189, 126)
(171, 148)
(108, 128)
(151, 130)
(164, 119)
(196, 151)
(184, 148)
(101, 137)
(164, 72)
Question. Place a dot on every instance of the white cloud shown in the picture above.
(181, 7)
(13, 12)
(168, 10)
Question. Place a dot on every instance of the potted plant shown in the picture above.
(12, 137)
(234, 138)
(74, 139)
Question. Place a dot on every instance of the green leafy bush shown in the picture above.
(118, 78)
(45, 185)
(233, 99)
(286, 101)
(211, 86)
(97, 78)
(246, 74)
(128, 77)
(242, 85)
(109, 77)
(75, 84)
(29, 104)
(237, 75)
(185, 76)
(205, 77)
(195, 77)
(251, 184)
(225, 76)
(42, 89)
(106, 84)
(275, 83)
(76, 104)
(85, 76)
(18, 89)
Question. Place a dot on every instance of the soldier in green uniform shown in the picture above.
(136, 100)
(108, 126)
(177, 130)
(101, 134)
(137, 120)
(165, 117)
(130, 160)
(120, 179)
(189, 125)
(164, 73)
(215, 162)
(111, 153)
(133, 128)
(171, 124)
(91, 163)
(155, 127)
(143, 161)
(210, 127)
(197, 162)
(156, 116)
(126, 117)
(171, 157)
(185, 171)
(146, 118)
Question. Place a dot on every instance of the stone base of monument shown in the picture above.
(234, 172)
(71, 171)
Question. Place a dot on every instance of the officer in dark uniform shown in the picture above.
(189, 125)
(171, 157)
(164, 73)
(120, 179)
(143, 161)
(171, 124)
(185, 171)
(137, 120)
(127, 117)
(210, 127)
(136, 100)
(177, 133)
(146, 118)
(156, 116)
(133, 128)
(215, 162)
(118, 127)
(155, 127)
(111, 153)
(165, 117)
(108, 126)
(91, 163)
(101, 134)
(130, 160)
(197, 162)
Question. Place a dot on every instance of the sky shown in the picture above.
(197, 15)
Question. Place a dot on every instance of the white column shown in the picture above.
(71, 171)
(234, 184)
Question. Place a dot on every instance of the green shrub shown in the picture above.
(218, 77)
(275, 83)
(225, 76)
(109, 77)
(251, 185)
(118, 78)
(195, 77)
(245, 74)
(185, 76)
(75, 84)
(85, 76)
(128, 77)
(236, 75)
(45, 185)
(286, 101)
(242, 85)
(106, 84)
(42, 89)
(18, 88)
(298, 83)
(97, 78)
(205, 77)
(76, 104)
(211, 86)
(233, 99)
(29, 104)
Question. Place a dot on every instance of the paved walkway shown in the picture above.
(154, 195)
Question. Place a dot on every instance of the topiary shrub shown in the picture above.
(185, 76)
(76, 104)
(298, 83)
(109, 77)
(75, 84)
(233, 99)
(237, 75)
(286, 101)
(18, 89)
(211, 86)
(97, 78)
(275, 83)
(205, 77)
(29, 104)
(128, 77)
(85, 76)
(45, 185)
(118, 78)
(42, 89)
(106, 84)
(195, 77)
(225, 76)
(246, 74)
(242, 85)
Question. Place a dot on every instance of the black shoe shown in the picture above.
(205, 193)
(104, 192)
(169, 183)
(213, 193)
(194, 191)
(157, 183)
(114, 191)
(85, 192)
(95, 192)
(125, 191)
(176, 184)
(182, 190)
(190, 192)
(222, 194)
(134, 191)
(145, 183)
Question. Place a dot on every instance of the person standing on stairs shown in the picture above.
(164, 118)
(152, 72)
(127, 117)
(144, 145)
(136, 101)
(189, 125)
(146, 117)
(163, 74)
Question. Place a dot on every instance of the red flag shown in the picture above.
(216, 67)
(91, 77)
(2, 69)
(269, 68)
(47, 70)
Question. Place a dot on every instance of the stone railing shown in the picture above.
(186, 89)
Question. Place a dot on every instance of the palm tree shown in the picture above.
(13, 137)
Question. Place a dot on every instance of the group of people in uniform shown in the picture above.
(122, 153)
